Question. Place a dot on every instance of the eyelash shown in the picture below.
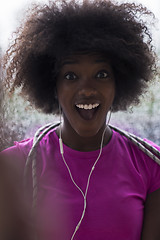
(69, 74)
(104, 72)
(74, 76)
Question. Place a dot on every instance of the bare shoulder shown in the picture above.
(151, 225)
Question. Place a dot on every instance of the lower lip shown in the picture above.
(87, 115)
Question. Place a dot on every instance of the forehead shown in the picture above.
(93, 58)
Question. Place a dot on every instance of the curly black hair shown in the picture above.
(62, 28)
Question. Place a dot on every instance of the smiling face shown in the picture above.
(86, 90)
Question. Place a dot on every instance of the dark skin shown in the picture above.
(85, 80)
(13, 213)
(151, 226)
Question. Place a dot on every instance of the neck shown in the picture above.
(85, 144)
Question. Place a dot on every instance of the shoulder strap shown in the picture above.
(144, 146)
(148, 149)
(41, 132)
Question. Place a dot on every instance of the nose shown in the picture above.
(87, 87)
(87, 92)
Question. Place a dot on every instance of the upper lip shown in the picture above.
(87, 101)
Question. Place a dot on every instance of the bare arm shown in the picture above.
(13, 221)
(151, 226)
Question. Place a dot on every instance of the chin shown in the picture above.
(87, 132)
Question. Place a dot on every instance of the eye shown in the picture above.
(102, 74)
(70, 76)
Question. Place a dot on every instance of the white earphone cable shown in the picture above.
(88, 181)
(90, 174)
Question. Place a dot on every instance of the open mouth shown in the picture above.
(87, 111)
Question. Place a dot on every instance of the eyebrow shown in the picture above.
(67, 62)
(101, 61)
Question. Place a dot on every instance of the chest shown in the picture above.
(115, 199)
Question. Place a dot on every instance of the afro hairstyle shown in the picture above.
(62, 28)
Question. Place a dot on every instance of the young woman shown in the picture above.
(84, 60)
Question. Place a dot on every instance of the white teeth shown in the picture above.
(87, 106)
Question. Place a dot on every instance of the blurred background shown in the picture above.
(19, 120)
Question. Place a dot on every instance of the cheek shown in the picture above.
(113, 92)
(109, 94)
(64, 98)
(61, 92)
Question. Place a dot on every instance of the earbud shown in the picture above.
(61, 146)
